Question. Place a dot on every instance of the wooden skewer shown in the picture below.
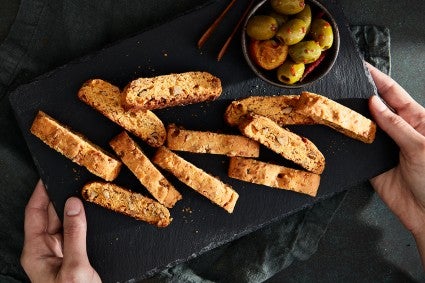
(229, 39)
(214, 25)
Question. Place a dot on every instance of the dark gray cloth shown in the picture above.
(47, 34)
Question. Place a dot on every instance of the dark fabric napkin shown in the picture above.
(48, 34)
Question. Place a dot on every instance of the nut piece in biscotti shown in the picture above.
(208, 142)
(75, 147)
(272, 175)
(118, 199)
(210, 187)
(138, 163)
(106, 98)
(337, 116)
(289, 145)
(277, 108)
(170, 90)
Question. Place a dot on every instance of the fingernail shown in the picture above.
(72, 206)
(379, 104)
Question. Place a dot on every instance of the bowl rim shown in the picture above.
(258, 71)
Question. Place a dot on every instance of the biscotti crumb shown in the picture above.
(272, 175)
(118, 199)
(205, 184)
(289, 145)
(75, 147)
(150, 177)
(208, 142)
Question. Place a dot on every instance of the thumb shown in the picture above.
(74, 234)
(404, 135)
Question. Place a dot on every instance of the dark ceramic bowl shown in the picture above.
(263, 7)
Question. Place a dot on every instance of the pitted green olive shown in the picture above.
(292, 32)
(305, 15)
(290, 72)
(287, 7)
(261, 27)
(280, 18)
(321, 31)
(305, 51)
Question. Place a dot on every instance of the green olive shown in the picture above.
(290, 72)
(321, 31)
(305, 51)
(280, 18)
(261, 27)
(292, 32)
(305, 15)
(287, 7)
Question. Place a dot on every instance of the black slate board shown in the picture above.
(121, 248)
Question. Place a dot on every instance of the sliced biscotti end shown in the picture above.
(272, 175)
(170, 90)
(337, 116)
(210, 187)
(118, 199)
(280, 109)
(282, 141)
(149, 176)
(75, 147)
(106, 99)
(181, 139)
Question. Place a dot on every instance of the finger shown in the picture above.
(54, 224)
(396, 97)
(36, 211)
(74, 234)
(406, 137)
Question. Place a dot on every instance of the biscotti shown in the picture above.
(118, 199)
(170, 90)
(205, 184)
(272, 175)
(138, 163)
(208, 142)
(289, 145)
(75, 147)
(342, 119)
(280, 109)
(106, 98)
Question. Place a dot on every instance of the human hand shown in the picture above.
(403, 187)
(48, 255)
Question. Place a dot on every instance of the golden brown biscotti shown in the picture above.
(278, 108)
(205, 184)
(170, 90)
(337, 116)
(209, 142)
(289, 145)
(75, 147)
(272, 175)
(106, 98)
(118, 199)
(138, 163)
